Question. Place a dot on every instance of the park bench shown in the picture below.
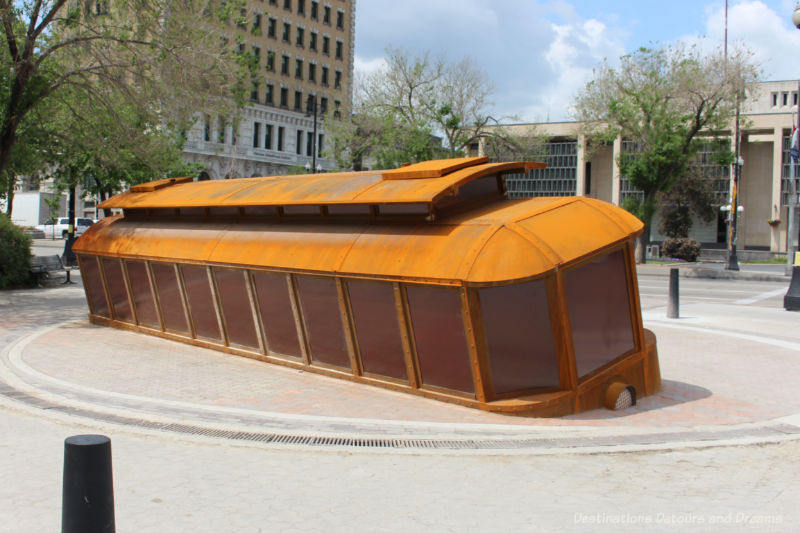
(42, 265)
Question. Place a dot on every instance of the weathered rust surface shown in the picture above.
(423, 279)
(498, 243)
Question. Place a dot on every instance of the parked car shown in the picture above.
(60, 227)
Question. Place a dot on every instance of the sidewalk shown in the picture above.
(209, 442)
(729, 374)
(746, 272)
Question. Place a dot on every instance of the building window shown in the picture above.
(280, 138)
(298, 69)
(794, 98)
(336, 109)
(323, 105)
(314, 10)
(271, 61)
(271, 27)
(257, 24)
(326, 15)
(270, 94)
(221, 130)
(339, 47)
(256, 134)
(312, 40)
(285, 65)
(268, 136)
(301, 7)
(312, 72)
(337, 81)
(298, 100)
(287, 4)
(326, 45)
(300, 37)
(324, 79)
(287, 32)
(284, 97)
(320, 138)
(299, 142)
(340, 19)
(206, 128)
(310, 144)
(254, 91)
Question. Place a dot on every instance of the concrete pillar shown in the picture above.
(580, 175)
(777, 242)
(615, 174)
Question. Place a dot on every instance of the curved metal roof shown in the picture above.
(425, 182)
(505, 241)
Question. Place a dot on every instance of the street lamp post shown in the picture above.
(791, 229)
(733, 261)
(311, 110)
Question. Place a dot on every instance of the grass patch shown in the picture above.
(773, 261)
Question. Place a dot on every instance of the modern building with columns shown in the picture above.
(764, 190)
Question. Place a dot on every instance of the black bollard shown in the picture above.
(791, 301)
(88, 494)
(673, 303)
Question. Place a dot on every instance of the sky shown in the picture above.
(539, 54)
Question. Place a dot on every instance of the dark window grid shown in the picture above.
(719, 175)
(786, 173)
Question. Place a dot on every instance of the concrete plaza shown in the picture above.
(205, 441)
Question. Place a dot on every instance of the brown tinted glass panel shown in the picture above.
(275, 306)
(142, 295)
(348, 210)
(319, 301)
(440, 338)
(236, 310)
(377, 329)
(93, 284)
(599, 311)
(519, 336)
(117, 289)
(169, 296)
(290, 210)
(201, 301)
(403, 209)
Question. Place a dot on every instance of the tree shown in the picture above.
(403, 112)
(664, 100)
(166, 60)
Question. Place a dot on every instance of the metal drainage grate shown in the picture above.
(778, 430)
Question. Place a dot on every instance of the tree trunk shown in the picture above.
(10, 196)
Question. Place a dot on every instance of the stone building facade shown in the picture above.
(764, 191)
(305, 54)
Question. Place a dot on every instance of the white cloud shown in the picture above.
(577, 49)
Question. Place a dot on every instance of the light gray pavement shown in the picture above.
(717, 450)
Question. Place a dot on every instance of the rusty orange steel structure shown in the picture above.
(424, 279)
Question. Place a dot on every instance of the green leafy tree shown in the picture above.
(664, 100)
(403, 112)
(165, 60)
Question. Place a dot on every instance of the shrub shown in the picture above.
(681, 248)
(15, 255)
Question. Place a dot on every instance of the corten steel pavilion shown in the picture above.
(425, 279)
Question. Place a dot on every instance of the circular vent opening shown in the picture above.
(620, 396)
